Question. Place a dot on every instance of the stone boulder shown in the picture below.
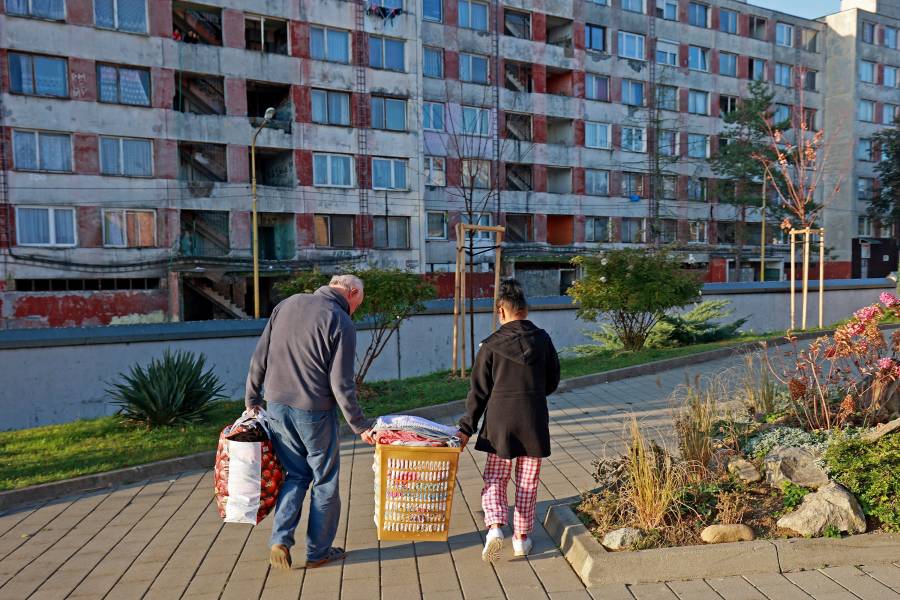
(744, 470)
(622, 539)
(797, 465)
(833, 506)
(721, 534)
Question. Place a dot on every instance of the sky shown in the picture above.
(802, 8)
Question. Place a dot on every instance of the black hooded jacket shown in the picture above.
(516, 369)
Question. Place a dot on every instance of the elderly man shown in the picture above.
(304, 361)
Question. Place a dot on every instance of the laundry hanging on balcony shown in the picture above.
(386, 13)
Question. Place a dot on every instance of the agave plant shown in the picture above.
(173, 391)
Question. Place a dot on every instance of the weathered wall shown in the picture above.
(54, 376)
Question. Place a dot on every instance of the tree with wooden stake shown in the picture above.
(795, 166)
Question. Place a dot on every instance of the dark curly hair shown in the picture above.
(511, 296)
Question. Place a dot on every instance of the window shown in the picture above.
(434, 63)
(389, 174)
(783, 74)
(433, 10)
(891, 113)
(890, 76)
(867, 71)
(698, 58)
(386, 53)
(782, 114)
(631, 45)
(433, 116)
(669, 187)
(122, 85)
(667, 9)
(633, 92)
(667, 53)
(388, 113)
(696, 189)
(330, 44)
(265, 34)
(45, 226)
(476, 121)
(809, 119)
(864, 149)
(698, 145)
(809, 81)
(596, 135)
(757, 69)
(698, 14)
(517, 24)
(391, 232)
(868, 32)
(633, 5)
(124, 15)
(728, 64)
(632, 230)
(473, 68)
(129, 228)
(332, 170)
(597, 229)
(890, 37)
(728, 21)
(436, 225)
(596, 182)
(668, 142)
(697, 232)
(39, 151)
(473, 15)
(633, 139)
(126, 156)
(810, 40)
(41, 9)
(519, 228)
(38, 75)
(866, 111)
(330, 108)
(480, 219)
(595, 37)
(476, 173)
(435, 171)
(596, 87)
(784, 35)
(864, 226)
(334, 231)
(633, 185)
(698, 102)
(667, 97)
(758, 28)
(865, 187)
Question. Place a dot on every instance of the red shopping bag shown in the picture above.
(247, 474)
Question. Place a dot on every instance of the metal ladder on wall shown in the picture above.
(362, 132)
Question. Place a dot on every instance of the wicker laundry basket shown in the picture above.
(414, 492)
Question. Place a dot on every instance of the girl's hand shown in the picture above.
(463, 439)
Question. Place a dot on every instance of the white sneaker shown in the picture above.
(522, 547)
(492, 545)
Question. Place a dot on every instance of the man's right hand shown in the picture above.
(254, 410)
(367, 437)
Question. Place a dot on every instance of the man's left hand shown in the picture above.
(367, 437)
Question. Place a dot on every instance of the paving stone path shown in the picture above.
(163, 539)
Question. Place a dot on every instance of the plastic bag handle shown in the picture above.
(247, 416)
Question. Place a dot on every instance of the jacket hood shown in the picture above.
(519, 341)
(335, 296)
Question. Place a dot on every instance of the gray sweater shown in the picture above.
(306, 355)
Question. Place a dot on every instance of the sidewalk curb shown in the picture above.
(205, 460)
(596, 566)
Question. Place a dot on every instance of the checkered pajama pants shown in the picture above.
(497, 473)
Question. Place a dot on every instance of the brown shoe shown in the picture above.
(280, 557)
(333, 555)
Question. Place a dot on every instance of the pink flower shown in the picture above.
(885, 363)
(868, 313)
(889, 299)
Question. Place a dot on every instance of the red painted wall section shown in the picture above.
(235, 97)
(165, 159)
(481, 284)
(717, 270)
(80, 12)
(578, 132)
(82, 79)
(540, 227)
(539, 78)
(362, 231)
(303, 166)
(539, 178)
(160, 17)
(163, 82)
(615, 182)
(578, 180)
(306, 230)
(578, 35)
(302, 104)
(451, 13)
(240, 230)
(683, 99)
(87, 154)
(238, 163)
(169, 227)
(7, 226)
(451, 65)
(84, 309)
(539, 129)
(454, 172)
(578, 84)
(233, 28)
(360, 48)
(579, 229)
(683, 10)
(714, 18)
(539, 27)
(299, 39)
(744, 25)
(90, 227)
(360, 105)
(363, 171)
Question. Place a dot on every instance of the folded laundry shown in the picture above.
(412, 423)
(406, 430)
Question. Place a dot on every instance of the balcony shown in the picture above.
(519, 178)
(519, 228)
(261, 96)
(277, 236)
(518, 127)
(201, 165)
(560, 230)
(196, 23)
(517, 77)
(275, 167)
(559, 32)
(560, 131)
(559, 180)
(204, 233)
(199, 94)
(559, 81)
(517, 24)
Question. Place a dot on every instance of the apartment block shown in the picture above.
(576, 124)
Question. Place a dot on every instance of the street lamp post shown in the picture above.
(270, 112)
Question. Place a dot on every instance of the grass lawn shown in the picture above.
(55, 452)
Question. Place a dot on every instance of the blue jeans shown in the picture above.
(306, 443)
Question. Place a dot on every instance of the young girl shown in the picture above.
(516, 369)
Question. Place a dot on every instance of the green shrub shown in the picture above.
(871, 471)
(171, 391)
(793, 494)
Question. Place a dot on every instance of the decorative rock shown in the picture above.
(882, 430)
(744, 470)
(718, 461)
(622, 539)
(833, 506)
(797, 465)
(721, 534)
